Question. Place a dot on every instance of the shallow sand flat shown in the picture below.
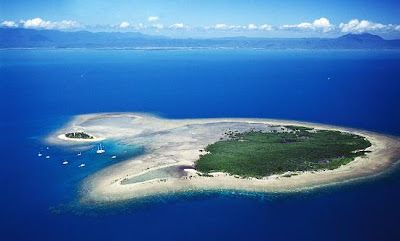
(178, 142)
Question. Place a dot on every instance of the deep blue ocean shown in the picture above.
(40, 90)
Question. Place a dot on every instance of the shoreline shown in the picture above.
(179, 144)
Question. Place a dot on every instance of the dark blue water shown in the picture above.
(40, 90)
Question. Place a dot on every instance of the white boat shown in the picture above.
(65, 163)
(47, 157)
(80, 154)
(39, 154)
(113, 157)
(100, 149)
(82, 165)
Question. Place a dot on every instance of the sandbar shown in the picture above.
(171, 148)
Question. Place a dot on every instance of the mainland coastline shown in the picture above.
(174, 146)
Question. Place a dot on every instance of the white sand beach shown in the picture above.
(178, 143)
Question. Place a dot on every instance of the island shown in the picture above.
(291, 149)
(78, 135)
(226, 154)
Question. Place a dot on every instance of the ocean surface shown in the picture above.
(41, 90)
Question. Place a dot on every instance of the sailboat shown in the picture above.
(100, 149)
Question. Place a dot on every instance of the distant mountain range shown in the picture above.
(29, 38)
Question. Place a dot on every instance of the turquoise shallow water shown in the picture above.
(42, 89)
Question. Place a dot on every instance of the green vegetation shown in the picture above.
(259, 154)
(78, 135)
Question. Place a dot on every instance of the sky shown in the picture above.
(208, 18)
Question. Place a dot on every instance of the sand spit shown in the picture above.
(178, 144)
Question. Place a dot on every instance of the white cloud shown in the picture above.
(177, 26)
(9, 24)
(38, 23)
(321, 24)
(265, 27)
(252, 27)
(124, 25)
(140, 26)
(222, 26)
(356, 26)
(153, 18)
(67, 24)
(158, 26)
